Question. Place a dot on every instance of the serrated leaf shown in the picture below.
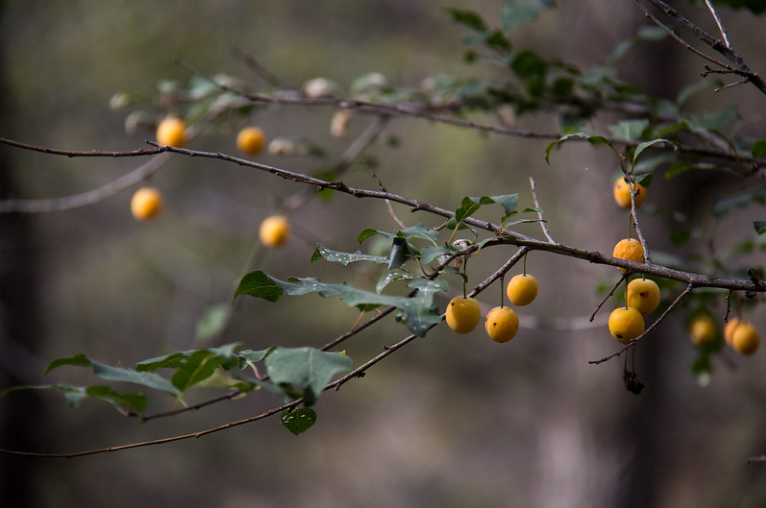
(298, 420)
(516, 13)
(468, 18)
(147, 379)
(344, 258)
(213, 321)
(307, 368)
(259, 285)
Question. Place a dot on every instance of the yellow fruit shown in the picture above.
(251, 140)
(522, 289)
(745, 339)
(502, 324)
(643, 295)
(274, 231)
(728, 330)
(146, 203)
(626, 324)
(629, 249)
(171, 132)
(702, 330)
(622, 190)
(463, 314)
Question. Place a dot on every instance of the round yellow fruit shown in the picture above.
(625, 324)
(643, 295)
(146, 203)
(251, 140)
(172, 132)
(622, 191)
(502, 324)
(629, 249)
(274, 231)
(522, 289)
(702, 330)
(463, 314)
(745, 339)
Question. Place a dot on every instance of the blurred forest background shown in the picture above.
(450, 421)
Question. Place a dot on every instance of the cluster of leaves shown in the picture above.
(291, 373)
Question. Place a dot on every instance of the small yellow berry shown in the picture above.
(629, 249)
(745, 339)
(502, 324)
(702, 330)
(643, 295)
(274, 231)
(625, 324)
(172, 132)
(522, 289)
(463, 314)
(251, 140)
(621, 191)
(146, 203)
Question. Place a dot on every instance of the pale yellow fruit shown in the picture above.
(702, 330)
(745, 339)
(172, 132)
(251, 140)
(621, 191)
(502, 324)
(625, 324)
(643, 295)
(146, 203)
(275, 231)
(629, 249)
(728, 330)
(522, 289)
(463, 314)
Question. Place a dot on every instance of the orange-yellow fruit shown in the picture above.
(745, 339)
(172, 132)
(625, 324)
(146, 203)
(643, 295)
(522, 289)
(251, 140)
(502, 324)
(622, 189)
(630, 249)
(274, 231)
(728, 330)
(463, 314)
(702, 330)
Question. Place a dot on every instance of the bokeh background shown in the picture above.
(450, 421)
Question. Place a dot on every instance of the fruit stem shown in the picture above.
(465, 275)
(502, 290)
(524, 265)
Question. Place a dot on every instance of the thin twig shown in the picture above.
(543, 224)
(608, 296)
(252, 64)
(718, 22)
(635, 341)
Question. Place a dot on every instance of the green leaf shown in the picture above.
(759, 149)
(79, 360)
(255, 356)
(298, 420)
(399, 253)
(419, 231)
(594, 140)
(367, 233)
(630, 130)
(468, 18)
(344, 258)
(760, 226)
(389, 277)
(517, 13)
(643, 146)
(531, 68)
(213, 321)
(135, 401)
(195, 368)
(645, 180)
(147, 379)
(307, 368)
(509, 202)
(259, 285)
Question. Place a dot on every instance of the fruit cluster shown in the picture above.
(502, 323)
